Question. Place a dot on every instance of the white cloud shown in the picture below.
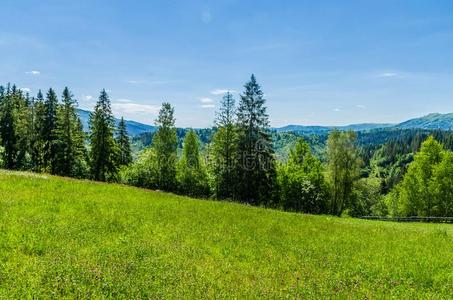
(25, 90)
(87, 97)
(361, 106)
(133, 81)
(207, 105)
(336, 109)
(206, 16)
(221, 91)
(120, 107)
(388, 74)
(34, 72)
(206, 100)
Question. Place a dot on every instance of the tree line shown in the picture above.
(237, 163)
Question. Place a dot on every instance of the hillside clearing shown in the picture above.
(63, 237)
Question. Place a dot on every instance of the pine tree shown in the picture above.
(104, 151)
(122, 139)
(192, 177)
(255, 165)
(165, 144)
(48, 130)
(39, 135)
(69, 138)
(224, 149)
(8, 128)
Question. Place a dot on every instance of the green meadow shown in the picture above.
(62, 237)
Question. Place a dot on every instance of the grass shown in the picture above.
(67, 238)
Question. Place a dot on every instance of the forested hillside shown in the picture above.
(339, 172)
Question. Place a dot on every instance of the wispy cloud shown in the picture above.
(221, 91)
(207, 105)
(390, 75)
(34, 72)
(336, 109)
(361, 106)
(87, 97)
(128, 107)
(133, 81)
(25, 90)
(206, 102)
(206, 16)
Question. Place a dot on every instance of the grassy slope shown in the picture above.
(65, 237)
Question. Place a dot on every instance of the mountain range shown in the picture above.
(431, 122)
(133, 128)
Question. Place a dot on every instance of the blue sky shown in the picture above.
(319, 62)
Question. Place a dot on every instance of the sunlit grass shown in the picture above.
(63, 237)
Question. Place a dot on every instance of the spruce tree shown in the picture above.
(224, 149)
(48, 130)
(104, 151)
(122, 139)
(39, 135)
(69, 138)
(8, 128)
(255, 165)
(165, 143)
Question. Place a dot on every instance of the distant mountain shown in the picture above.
(431, 121)
(324, 129)
(133, 128)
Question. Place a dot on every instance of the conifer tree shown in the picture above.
(224, 149)
(104, 151)
(255, 165)
(165, 143)
(69, 138)
(8, 128)
(122, 139)
(38, 140)
(48, 130)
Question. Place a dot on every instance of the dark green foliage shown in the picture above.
(104, 150)
(70, 140)
(122, 139)
(302, 184)
(191, 175)
(165, 146)
(48, 130)
(255, 164)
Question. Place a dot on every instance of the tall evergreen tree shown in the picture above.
(48, 130)
(255, 165)
(104, 151)
(8, 128)
(224, 149)
(69, 138)
(39, 135)
(122, 139)
(165, 143)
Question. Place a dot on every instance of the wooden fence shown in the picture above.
(411, 219)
